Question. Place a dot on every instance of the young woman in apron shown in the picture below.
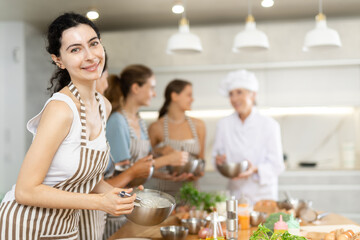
(176, 131)
(69, 152)
(131, 162)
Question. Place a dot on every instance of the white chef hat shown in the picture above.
(239, 79)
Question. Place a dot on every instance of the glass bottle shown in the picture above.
(215, 232)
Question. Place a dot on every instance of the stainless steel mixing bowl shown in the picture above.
(200, 167)
(174, 232)
(231, 170)
(148, 216)
(296, 204)
(189, 167)
(193, 224)
(257, 217)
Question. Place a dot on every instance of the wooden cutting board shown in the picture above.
(318, 232)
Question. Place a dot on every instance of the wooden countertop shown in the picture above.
(132, 230)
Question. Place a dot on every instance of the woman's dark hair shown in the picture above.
(61, 77)
(120, 86)
(176, 86)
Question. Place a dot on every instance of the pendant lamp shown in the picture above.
(321, 36)
(184, 42)
(250, 39)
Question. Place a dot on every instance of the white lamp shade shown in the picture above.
(184, 42)
(250, 39)
(321, 37)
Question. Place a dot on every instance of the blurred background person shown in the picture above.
(246, 135)
(131, 161)
(175, 131)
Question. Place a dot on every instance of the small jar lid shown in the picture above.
(280, 225)
(293, 223)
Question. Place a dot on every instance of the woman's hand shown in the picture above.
(164, 150)
(178, 158)
(220, 159)
(251, 170)
(182, 177)
(141, 168)
(174, 177)
(195, 178)
(115, 205)
(123, 165)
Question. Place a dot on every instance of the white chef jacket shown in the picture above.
(258, 140)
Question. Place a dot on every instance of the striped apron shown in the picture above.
(139, 148)
(28, 222)
(191, 146)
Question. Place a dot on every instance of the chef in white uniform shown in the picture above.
(246, 135)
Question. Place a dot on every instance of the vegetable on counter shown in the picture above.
(197, 199)
(264, 233)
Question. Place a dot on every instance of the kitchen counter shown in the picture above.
(324, 188)
(133, 230)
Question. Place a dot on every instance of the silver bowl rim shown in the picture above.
(232, 163)
(193, 219)
(168, 196)
(181, 228)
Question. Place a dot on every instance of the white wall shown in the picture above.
(286, 40)
(13, 101)
(288, 78)
(38, 72)
(24, 72)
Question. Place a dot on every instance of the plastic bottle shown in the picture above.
(293, 226)
(280, 226)
(244, 213)
(215, 232)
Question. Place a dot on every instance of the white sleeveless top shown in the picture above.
(64, 164)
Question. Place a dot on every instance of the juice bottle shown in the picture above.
(244, 213)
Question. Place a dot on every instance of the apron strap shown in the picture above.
(192, 126)
(101, 110)
(141, 123)
(76, 93)
(166, 128)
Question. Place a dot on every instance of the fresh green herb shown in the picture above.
(200, 200)
(264, 233)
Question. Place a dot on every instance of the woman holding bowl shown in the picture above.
(69, 152)
(246, 135)
(175, 131)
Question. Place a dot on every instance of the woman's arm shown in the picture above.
(155, 133)
(201, 131)
(54, 126)
(108, 107)
(102, 187)
(140, 169)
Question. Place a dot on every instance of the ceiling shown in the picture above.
(134, 14)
